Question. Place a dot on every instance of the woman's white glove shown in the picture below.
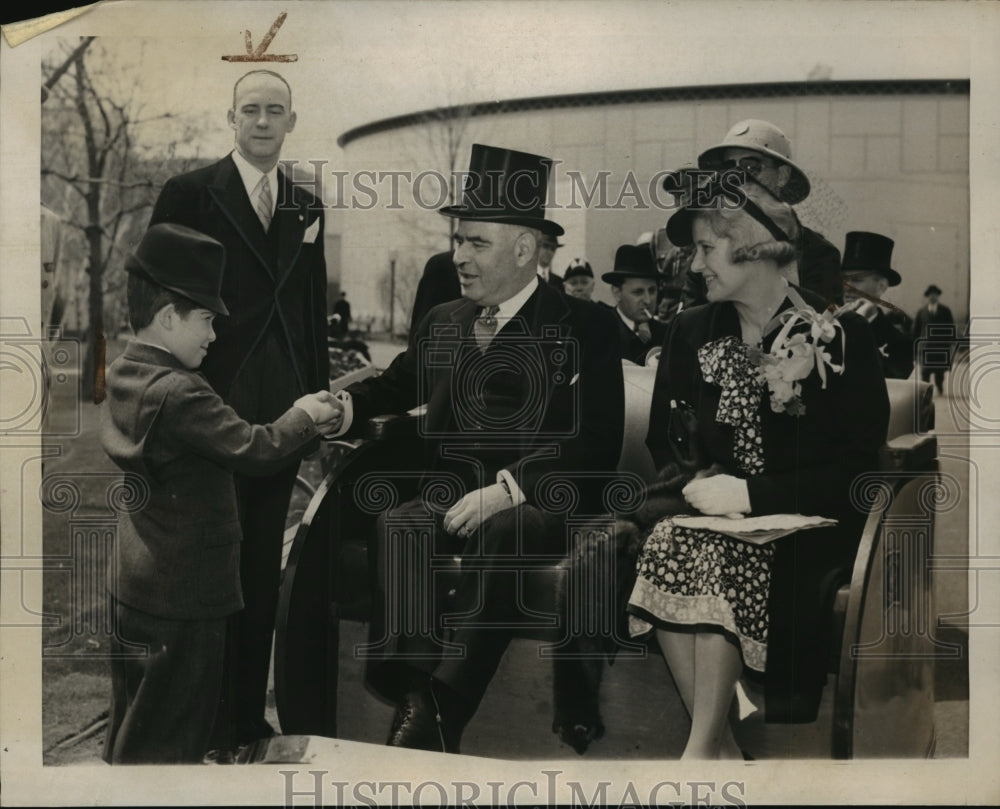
(719, 494)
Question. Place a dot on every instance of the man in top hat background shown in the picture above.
(546, 255)
(934, 328)
(763, 152)
(634, 286)
(867, 275)
(524, 389)
(268, 352)
(578, 280)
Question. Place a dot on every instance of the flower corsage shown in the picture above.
(794, 356)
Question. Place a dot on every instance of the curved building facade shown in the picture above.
(886, 156)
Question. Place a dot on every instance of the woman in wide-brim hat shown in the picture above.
(779, 438)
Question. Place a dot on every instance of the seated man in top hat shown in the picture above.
(763, 152)
(634, 285)
(524, 391)
(867, 276)
(578, 280)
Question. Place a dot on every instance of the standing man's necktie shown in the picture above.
(485, 326)
(643, 332)
(264, 202)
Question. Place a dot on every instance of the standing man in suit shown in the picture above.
(270, 350)
(634, 285)
(934, 327)
(524, 392)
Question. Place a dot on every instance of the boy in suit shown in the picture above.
(174, 576)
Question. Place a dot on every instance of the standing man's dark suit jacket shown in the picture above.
(632, 348)
(269, 351)
(274, 284)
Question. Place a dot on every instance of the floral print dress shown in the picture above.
(695, 577)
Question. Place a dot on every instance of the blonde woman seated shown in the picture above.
(791, 404)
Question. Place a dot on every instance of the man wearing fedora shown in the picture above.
(761, 150)
(524, 391)
(634, 286)
(578, 280)
(867, 275)
(934, 329)
(271, 350)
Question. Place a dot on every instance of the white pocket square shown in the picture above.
(311, 232)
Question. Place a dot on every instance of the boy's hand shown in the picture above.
(324, 409)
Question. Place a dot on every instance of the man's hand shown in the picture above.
(475, 508)
(719, 494)
(324, 409)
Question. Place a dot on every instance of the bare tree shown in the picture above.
(96, 172)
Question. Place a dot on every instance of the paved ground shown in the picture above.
(644, 717)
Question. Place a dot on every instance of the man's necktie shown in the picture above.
(485, 326)
(264, 202)
(643, 332)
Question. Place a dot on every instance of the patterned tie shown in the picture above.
(643, 333)
(485, 326)
(264, 202)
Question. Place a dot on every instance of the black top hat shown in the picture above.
(507, 187)
(632, 261)
(184, 261)
(869, 252)
(577, 268)
(933, 289)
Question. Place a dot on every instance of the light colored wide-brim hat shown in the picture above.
(764, 137)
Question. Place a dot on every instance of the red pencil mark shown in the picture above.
(259, 54)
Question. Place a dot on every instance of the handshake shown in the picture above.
(325, 409)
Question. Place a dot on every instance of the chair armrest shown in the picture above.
(391, 426)
(908, 453)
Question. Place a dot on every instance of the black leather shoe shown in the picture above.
(580, 735)
(422, 723)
